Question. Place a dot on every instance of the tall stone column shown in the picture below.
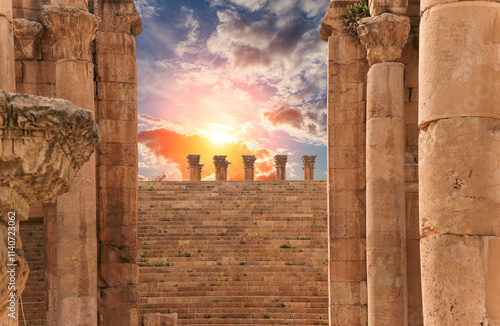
(384, 37)
(459, 146)
(194, 167)
(280, 161)
(308, 167)
(73, 30)
(347, 69)
(220, 167)
(7, 63)
(248, 162)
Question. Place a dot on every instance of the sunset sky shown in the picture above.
(231, 77)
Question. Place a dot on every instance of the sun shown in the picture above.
(218, 137)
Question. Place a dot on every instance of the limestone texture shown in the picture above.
(384, 37)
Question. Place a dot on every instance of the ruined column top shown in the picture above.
(50, 140)
(248, 161)
(220, 161)
(193, 159)
(73, 30)
(280, 160)
(384, 37)
(27, 33)
(309, 159)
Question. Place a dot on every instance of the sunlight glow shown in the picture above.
(218, 137)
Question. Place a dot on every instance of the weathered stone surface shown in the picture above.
(385, 196)
(7, 66)
(460, 194)
(73, 30)
(30, 127)
(121, 17)
(460, 280)
(384, 37)
(158, 319)
(397, 7)
(28, 34)
(460, 77)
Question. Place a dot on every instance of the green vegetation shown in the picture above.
(356, 12)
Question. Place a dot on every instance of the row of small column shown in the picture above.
(221, 165)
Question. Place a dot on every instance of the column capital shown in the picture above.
(193, 160)
(49, 140)
(220, 161)
(280, 160)
(384, 37)
(309, 160)
(73, 30)
(28, 34)
(248, 161)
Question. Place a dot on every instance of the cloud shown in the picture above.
(193, 32)
(167, 149)
(307, 124)
(146, 8)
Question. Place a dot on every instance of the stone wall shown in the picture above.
(112, 87)
(226, 253)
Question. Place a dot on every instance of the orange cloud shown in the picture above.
(175, 147)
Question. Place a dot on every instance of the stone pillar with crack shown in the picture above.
(459, 152)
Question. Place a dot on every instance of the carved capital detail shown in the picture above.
(248, 161)
(193, 160)
(384, 37)
(28, 34)
(46, 141)
(73, 30)
(220, 161)
(309, 160)
(280, 160)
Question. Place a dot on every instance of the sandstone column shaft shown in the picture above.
(385, 196)
(73, 29)
(248, 162)
(280, 161)
(459, 117)
(7, 63)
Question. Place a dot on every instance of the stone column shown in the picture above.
(7, 63)
(347, 69)
(194, 167)
(308, 167)
(44, 144)
(459, 145)
(280, 161)
(248, 162)
(220, 167)
(73, 30)
(384, 37)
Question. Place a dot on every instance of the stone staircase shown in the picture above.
(234, 253)
(34, 294)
